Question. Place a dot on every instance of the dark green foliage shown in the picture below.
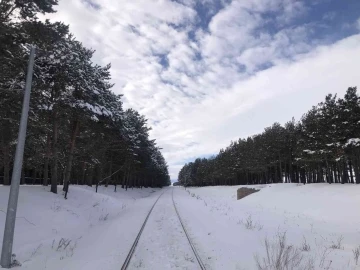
(24, 9)
(323, 147)
(78, 131)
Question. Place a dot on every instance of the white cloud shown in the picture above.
(277, 94)
(213, 89)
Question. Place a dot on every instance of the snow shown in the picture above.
(320, 213)
(94, 118)
(96, 109)
(163, 244)
(353, 141)
(46, 107)
(101, 226)
(9, 53)
(309, 152)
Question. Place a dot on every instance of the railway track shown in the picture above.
(133, 247)
(201, 264)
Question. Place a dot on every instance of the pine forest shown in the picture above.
(78, 131)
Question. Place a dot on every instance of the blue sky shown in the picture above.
(329, 15)
(205, 72)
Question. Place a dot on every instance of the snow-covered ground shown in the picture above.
(96, 230)
(88, 231)
(163, 244)
(230, 232)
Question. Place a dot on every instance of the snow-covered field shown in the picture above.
(88, 231)
(96, 230)
(229, 233)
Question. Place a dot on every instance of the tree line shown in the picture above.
(324, 146)
(78, 131)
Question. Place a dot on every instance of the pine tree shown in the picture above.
(77, 127)
(324, 146)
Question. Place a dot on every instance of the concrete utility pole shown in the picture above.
(15, 179)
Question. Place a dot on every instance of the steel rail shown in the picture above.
(133, 247)
(201, 264)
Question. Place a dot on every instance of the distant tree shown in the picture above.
(323, 147)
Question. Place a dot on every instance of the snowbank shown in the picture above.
(95, 230)
(232, 231)
(88, 231)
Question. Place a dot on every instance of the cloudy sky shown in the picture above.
(205, 72)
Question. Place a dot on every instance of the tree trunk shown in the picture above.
(308, 176)
(75, 131)
(335, 173)
(110, 173)
(331, 175)
(54, 163)
(338, 172)
(90, 177)
(297, 177)
(328, 173)
(46, 162)
(344, 178)
(134, 183)
(356, 168)
(6, 165)
(83, 169)
(22, 179)
(99, 175)
(66, 190)
(34, 176)
(123, 180)
(351, 171)
(280, 170)
(302, 176)
(127, 179)
(6, 139)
